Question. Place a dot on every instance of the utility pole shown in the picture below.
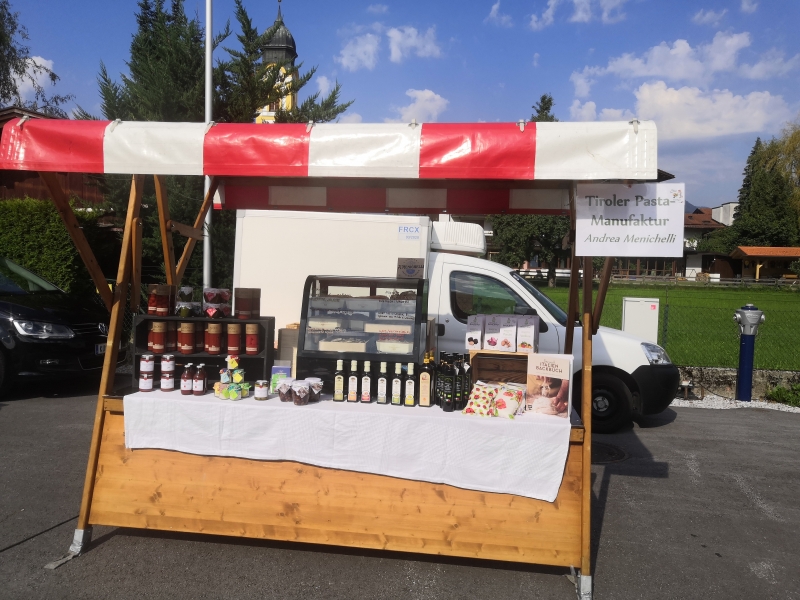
(208, 118)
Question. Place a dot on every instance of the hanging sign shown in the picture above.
(629, 220)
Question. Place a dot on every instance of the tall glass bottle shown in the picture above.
(438, 379)
(425, 383)
(447, 385)
(338, 382)
(467, 379)
(383, 381)
(410, 387)
(458, 383)
(397, 385)
(366, 382)
(352, 382)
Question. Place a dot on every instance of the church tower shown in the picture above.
(280, 49)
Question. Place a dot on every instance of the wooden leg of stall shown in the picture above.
(61, 202)
(585, 579)
(166, 234)
(83, 532)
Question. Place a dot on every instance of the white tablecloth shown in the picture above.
(524, 456)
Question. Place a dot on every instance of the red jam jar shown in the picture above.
(186, 338)
(214, 338)
(157, 338)
(234, 338)
(251, 338)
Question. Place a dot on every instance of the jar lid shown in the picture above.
(167, 357)
(262, 382)
(147, 357)
(287, 381)
(300, 383)
(313, 380)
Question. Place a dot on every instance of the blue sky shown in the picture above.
(713, 74)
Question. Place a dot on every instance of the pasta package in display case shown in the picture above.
(363, 319)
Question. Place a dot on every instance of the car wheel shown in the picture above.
(5, 375)
(611, 403)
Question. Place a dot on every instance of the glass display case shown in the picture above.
(361, 318)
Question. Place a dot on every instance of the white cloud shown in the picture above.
(676, 62)
(25, 86)
(709, 17)
(612, 11)
(426, 107)
(360, 52)
(772, 64)
(404, 41)
(324, 85)
(749, 6)
(498, 18)
(583, 11)
(350, 118)
(583, 112)
(547, 18)
(377, 9)
(691, 113)
(616, 114)
(536, 59)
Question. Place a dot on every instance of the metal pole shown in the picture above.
(208, 119)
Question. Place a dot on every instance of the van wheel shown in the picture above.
(611, 403)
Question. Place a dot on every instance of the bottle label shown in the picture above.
(352, 389)
(382, 390)
(396, 392)
(198, 385)
(186, 385)
(338, 388)
(424, 389)
(366, 384)
(410, 392)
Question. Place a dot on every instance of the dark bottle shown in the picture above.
(352, 382)
(338, 382)
(457, 382)
(461, 393)
(186, 380)
(366, 382)
(397, 385)
(410, 387)
(446, 389)
(467, 380)
(383, 383)
(425, 383)
(438, 381)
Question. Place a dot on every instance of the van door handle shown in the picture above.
(439, 329)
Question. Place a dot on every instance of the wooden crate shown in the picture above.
(494, 365)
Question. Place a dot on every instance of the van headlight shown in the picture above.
(43, 331)
(656, 354)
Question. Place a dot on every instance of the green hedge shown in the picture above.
(33, 235)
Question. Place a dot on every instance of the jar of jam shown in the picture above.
(234, 338)
(172, 336)
(186, 337)
(314, 389)
(145, 382)
(152, 299)
(187, 380)
(214, 338)
(146, 363)
(167, 382)
(199, 380)
(157, 338)
(261, 391)
(168, 363)
(300, 392)
(251, 338)
(285, 389)
(163, 300)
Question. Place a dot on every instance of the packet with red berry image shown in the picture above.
(482, 400)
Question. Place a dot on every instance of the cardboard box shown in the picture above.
(475, 325)
(528, 334)
(500, 333)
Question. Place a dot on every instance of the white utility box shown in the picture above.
(640, 318)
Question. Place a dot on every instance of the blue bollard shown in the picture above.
(748, 317)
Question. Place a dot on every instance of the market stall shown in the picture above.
(293, 483)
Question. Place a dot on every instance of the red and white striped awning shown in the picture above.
(468, 151)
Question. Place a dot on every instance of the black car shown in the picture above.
(45, 332)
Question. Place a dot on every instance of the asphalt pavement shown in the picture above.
(703, 504)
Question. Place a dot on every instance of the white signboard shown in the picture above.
(630, 220)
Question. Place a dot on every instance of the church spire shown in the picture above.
(279, 18)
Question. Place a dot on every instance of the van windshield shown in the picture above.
(17, 280)
(551, 307)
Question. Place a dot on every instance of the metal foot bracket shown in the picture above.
(80, 541)
(584, 587)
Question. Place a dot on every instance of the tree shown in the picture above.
(245, 82)
(543, 110)
(17, 67)
(523, 236)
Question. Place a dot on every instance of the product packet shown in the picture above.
(509, 400)
(280, 370)
(528, 334)
(475, 324)
(482, 399)
(491, 332)
(507, 341)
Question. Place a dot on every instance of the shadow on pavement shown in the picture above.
(639, 463)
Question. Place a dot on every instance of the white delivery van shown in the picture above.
(277, 250)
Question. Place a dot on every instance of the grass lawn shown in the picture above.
(696, 324)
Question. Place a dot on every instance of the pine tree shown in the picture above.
(543, 110)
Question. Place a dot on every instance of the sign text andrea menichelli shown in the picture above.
(630, 220)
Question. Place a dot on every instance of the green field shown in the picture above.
(696, 324)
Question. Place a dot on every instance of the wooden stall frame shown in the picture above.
(107, 438)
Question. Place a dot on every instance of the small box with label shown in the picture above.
(475, 324)
(528, 334)
(500, 333)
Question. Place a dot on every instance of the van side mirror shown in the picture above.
(525, 311)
